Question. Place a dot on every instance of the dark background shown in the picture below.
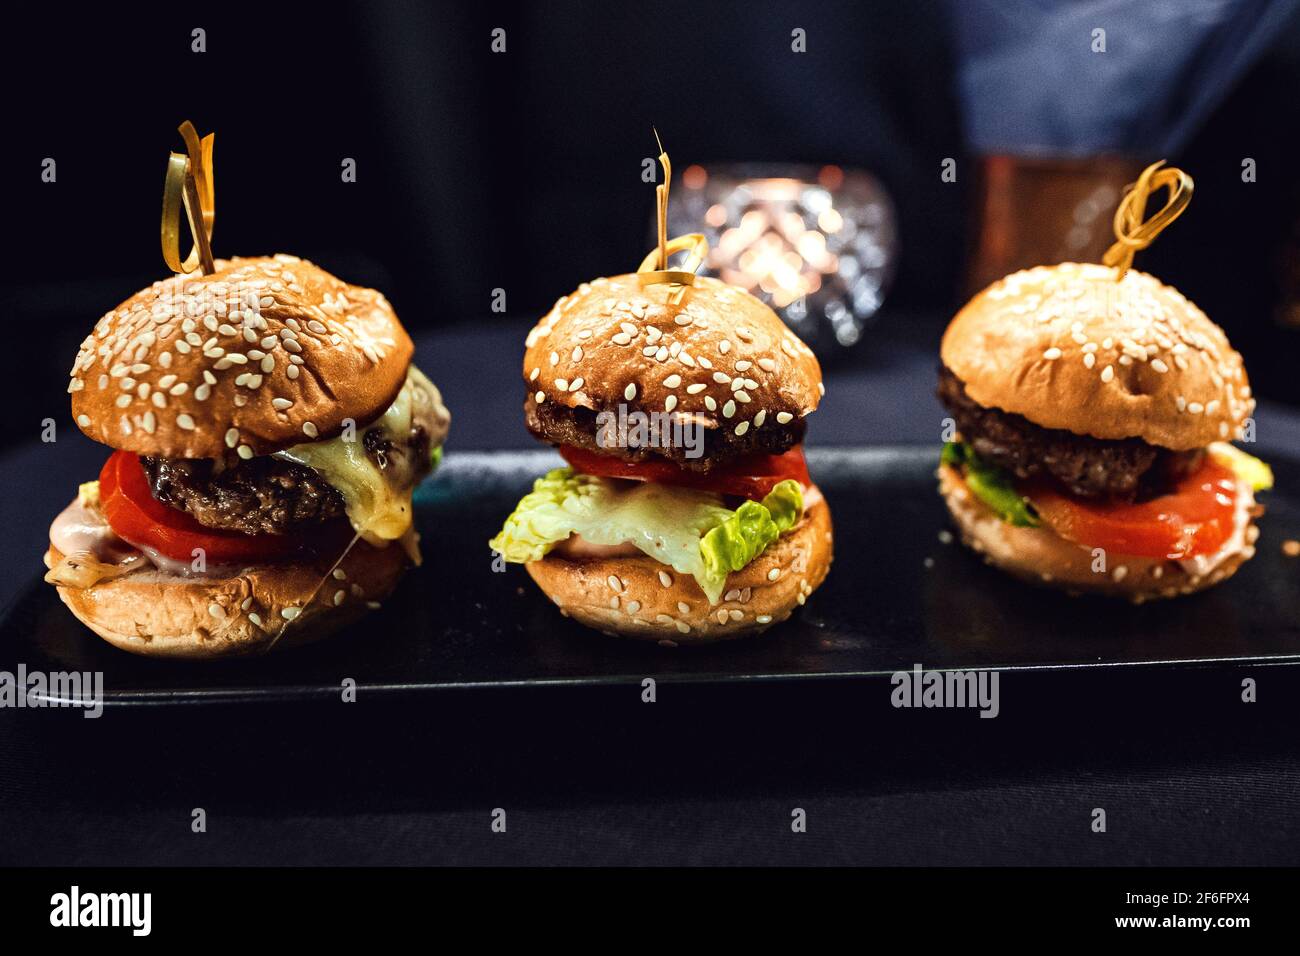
(522, 170)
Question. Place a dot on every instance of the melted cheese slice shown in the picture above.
(379, 510)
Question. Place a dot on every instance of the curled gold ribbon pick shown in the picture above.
(1132, 233)
(654, 267)
(189, 186)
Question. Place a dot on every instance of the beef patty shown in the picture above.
(257, 496)
(1126, 469)
(580, 427)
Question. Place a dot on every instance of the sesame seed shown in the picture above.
(83, 421)
(773, 574)
(743, 366)
(710, 403)
(539, 397)
(665, 579)
(724, 346)
(742, 428)
(672, 381)
(1052, 354)
(217, 611)
(629, 393)
(683, 607)
(722, 378)
(728, 409)
(339, 596)
(340, 574)
(742, 396)
(290, 613)
(185, 421)
(244, 452)
(633, 606)
(232, 437)
(696, 388)
(310, 430)
(764, 619)
(1159, 366)
(577, 354)
(760, 418)
(784, 418)
(1108, 373)
(614, 583)
(736, 614)
(670, 403)
(1089, 360)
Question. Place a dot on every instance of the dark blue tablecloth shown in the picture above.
(1187, 774)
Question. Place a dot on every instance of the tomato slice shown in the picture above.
(753, 476)
(1196, 517)
(140, 519)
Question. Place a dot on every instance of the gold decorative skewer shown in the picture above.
(189, 184)
(1132, 234)
(654, 267)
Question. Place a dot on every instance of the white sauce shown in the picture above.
(82, 530)
(79, 529)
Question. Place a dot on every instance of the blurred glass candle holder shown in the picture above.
(818, 245)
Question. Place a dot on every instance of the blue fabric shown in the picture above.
(1031, 85)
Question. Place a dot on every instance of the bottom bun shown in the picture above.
(1041, 556)
(640, 598)
(157, 614)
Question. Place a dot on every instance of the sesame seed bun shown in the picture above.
(639, 597)
(1040, 556)
(156, 614)
(261, 355)
(1068, 347)
(719, 358)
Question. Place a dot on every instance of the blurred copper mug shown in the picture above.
(1033, 212)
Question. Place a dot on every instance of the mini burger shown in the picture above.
(686, 513)
(1092, 426)
(269, 429)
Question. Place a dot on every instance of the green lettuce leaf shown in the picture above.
(991, 485)
(689, 530)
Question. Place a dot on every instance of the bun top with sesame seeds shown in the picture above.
(263, 354)
(719, 358)
(1068, 347)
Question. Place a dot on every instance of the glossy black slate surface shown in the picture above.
(457, 624)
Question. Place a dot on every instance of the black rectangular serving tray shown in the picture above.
(896, 596)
